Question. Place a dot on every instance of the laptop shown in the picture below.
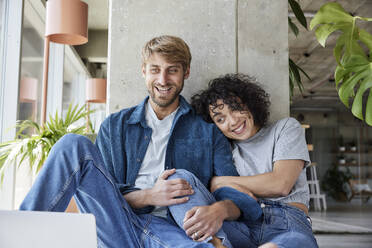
(31, 229)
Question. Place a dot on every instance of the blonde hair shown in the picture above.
(172, 48)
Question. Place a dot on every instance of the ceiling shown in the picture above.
(318, 62)
(98, 14)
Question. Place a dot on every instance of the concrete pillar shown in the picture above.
(263, 49)
(224, 36)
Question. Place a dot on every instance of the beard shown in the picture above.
(162, 101)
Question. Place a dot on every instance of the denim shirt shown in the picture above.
(194, 145)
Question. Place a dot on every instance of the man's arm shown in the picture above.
(277, 183)
(207, 220)
(164, 193)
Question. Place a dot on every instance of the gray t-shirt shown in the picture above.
(283, 140)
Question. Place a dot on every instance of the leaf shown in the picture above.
(369, 109)
(356, 77)
(357, 108)
(323, 31)
(293, 26)
(36, 147)
(347, 88)
(330, 13)
(295, 77)
(296, 8)
(366, 38)
(337, 51)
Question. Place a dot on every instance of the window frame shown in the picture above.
(11, 39)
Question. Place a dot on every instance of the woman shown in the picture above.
(271, 159)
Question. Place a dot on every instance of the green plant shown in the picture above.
(36, 147)
(353, 74)
(294, 70)
(335, 183)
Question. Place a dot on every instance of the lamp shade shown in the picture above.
(67, 21)
(96, 90)
(28, 89)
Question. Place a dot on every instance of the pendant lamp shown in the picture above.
(28, 93)
(66, 23)
(28, 89)
(95, 93)
(96, 90)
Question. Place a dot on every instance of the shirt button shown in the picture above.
(138, 160)
(263, 205)
(146, 137)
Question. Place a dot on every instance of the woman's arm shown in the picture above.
(277, 183)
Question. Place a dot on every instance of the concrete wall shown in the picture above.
(224, 36)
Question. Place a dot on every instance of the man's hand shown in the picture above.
(170, 192)
(203, 221)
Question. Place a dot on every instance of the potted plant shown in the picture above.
(336, 183)
(352, 146)
(341, 146)
(341, 159)
(36, 147)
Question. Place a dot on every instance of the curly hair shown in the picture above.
(239, 91)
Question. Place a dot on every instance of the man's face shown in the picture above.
(164, 80)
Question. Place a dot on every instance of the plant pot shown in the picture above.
(340, 197)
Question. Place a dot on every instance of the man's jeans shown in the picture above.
(75, 168)
(280, 223)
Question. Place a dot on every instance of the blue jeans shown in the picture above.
(280, 223)
(74, 167)
(201, 197)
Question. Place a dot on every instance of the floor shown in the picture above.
(355, 214)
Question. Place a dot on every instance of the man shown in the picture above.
(137, 149)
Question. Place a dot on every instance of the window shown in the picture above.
(24, 64)
(31, 73)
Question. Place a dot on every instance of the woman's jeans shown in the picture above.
(280, 223)
(75, 167)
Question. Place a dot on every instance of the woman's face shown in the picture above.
(236, 125)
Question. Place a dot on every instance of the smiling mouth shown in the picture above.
(240, 129)
(163, 90)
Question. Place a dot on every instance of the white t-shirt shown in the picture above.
(154, 160)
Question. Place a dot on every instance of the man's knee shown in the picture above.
(268, 245)
(71, 139)
(184, 174)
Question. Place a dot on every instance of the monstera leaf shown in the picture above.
(353, 75)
